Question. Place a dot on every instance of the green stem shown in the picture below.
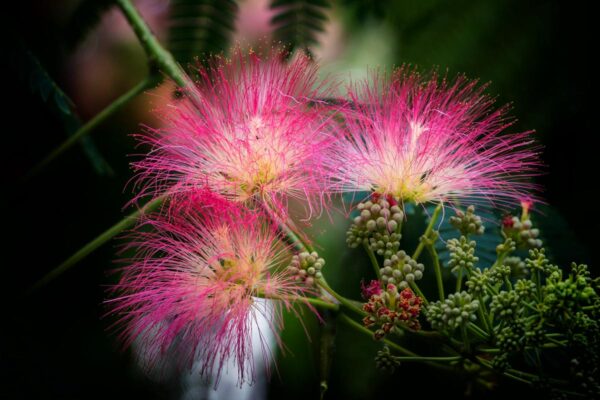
(589, 308)
(437, 268)
(363, 329)
(484, 316)
(343, 301)
(422, 333)
(521, 374)
(538, 284)
(327, 348)
(484, 320)
(477, 331)
(426, 358)
(373, 259)
(465, 338)
(410, 356)
(157, 54)
(86, 129)
(120, 226)
(459, 280)
(492, 350)
(428, 230)
(557, 342)
(311, 300)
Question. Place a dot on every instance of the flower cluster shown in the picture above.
(249, 144)
(231, 153)
(530, 307)
(389, 308)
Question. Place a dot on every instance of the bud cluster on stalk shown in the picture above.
(386, 361)
(390, 307)
(401, 270)
(462, 254)
(467, 222)
(521, 231)
(455, 311)
(377, 226)
(307, 267)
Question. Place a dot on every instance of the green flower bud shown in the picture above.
(455, 311)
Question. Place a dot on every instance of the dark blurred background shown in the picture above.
(55, 343)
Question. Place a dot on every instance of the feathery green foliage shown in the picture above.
(199, 28)
(297, 22)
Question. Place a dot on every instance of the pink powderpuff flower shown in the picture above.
(249, 129)
(425, 140)
(190, 293)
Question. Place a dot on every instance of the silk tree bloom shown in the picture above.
(425, 140)
(249, 129)
(191, 291)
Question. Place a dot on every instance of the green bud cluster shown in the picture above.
(522, 232)
(583, 323)
(525, 288)
(518, 268)
(562, 295)
(307, 267)
(401, 270)
(478, 282)
(535, 335)
(455, 311)
(507, 247)
(498, 272)
(537, 261)
(586, 378)
(584, 343)
(468, 223)
(500, 363)
(378, 226)
(506, 305)
(462, 254)
(510, 338)
(386, 361)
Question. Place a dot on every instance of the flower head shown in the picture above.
(248, 129)
(422, 140)
(191, 290)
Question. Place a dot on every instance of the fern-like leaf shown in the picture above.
(199, 28)
(297, 22)
(30, 70)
